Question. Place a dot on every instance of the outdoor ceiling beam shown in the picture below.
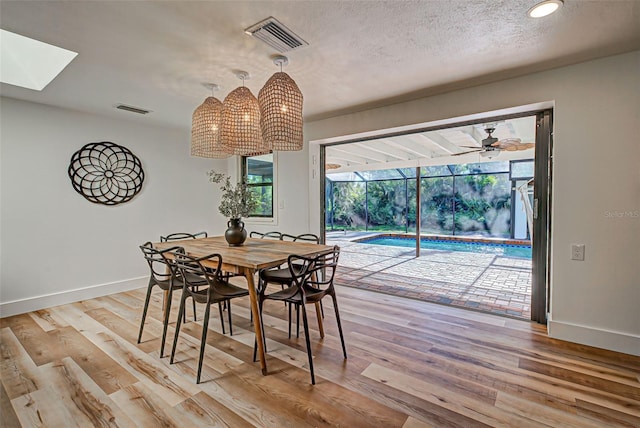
(442, 142)
(374, 145)
(410, 146)
(462, 138)
(334, 152)
(363, 150)
(343, 160)
(415, 143)
(440, 160)
(376, 167)
(478, 134)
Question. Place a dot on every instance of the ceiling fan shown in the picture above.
(491, 146)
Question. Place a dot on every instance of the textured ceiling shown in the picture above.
(155, 55)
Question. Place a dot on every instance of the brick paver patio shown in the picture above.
(485, 282)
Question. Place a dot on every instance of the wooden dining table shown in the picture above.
(246, 260)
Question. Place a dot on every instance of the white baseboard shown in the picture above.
(605, 339)
(48, 300)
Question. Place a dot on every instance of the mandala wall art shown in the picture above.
(106, 173)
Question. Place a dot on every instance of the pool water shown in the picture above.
(521, 251)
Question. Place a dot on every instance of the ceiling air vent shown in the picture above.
(276, 35)
(132, 109)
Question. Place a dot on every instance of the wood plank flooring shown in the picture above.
(411, 364)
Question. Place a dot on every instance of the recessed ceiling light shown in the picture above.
(29, 63)
(544, 8)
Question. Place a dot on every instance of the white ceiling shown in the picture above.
(156, 54)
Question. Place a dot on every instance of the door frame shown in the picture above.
(541, 242)
(543, 166)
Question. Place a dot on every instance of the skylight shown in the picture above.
(29, 63)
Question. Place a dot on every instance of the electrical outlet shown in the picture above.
(577, 252)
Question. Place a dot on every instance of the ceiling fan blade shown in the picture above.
(472, 147)
(464, 153)
(514, 147)
(510, 141)
(512, 144)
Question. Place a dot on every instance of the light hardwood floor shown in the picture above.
(411, 364)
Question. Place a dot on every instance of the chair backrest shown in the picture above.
(158, 262)
(267, 235)
(307, 237)
(193, 267)
(324, 269)
(314, 272)
(182, 235)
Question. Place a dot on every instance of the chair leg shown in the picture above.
(221, 317)
(319, 317)
(264, 339)
(335, 306)
(297, 321)
(289, 321)
(166, 322)
(321, 309)
(255, 349)
(183, 300)
(282, 287)
(203, 343)
(306, 337)
(144, 311)
(228, 303)
(194, 309)
(259, 289)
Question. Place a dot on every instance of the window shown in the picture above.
(522, 169)
(258, 173)
(465, 199)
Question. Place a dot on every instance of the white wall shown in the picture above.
(85, 250)
(596, 184)
(56, 246)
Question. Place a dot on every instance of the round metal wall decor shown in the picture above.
(106, 173)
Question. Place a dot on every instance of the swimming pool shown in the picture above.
(508, 250)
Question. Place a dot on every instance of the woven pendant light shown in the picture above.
(240, 133)
(280, 102)
(205, 128)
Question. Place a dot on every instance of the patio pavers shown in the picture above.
(485, 282)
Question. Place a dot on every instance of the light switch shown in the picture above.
(281, 204)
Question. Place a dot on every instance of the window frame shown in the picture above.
(243, 168)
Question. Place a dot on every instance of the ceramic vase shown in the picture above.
(236, 233)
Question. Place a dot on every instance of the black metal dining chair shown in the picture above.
(219, 290)
(282, 276)
(162, 274)
(307, 237)
(312, 281)
(182, 235)
(179, 236)
(267, 235)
